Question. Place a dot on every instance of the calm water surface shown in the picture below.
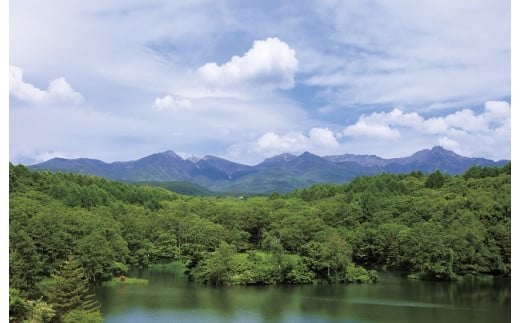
(170, 298)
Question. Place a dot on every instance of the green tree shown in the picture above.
(295, 229)
(18, 306)
(217, 267)
(99, 251)
(83, 316)
(41, 312)
(435, 180)
(24, 263)
(71, 290)
(330, 257)
(428, 251)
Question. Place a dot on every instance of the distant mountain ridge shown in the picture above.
(279, 173)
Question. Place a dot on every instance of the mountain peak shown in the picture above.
(363, 160)
(434, 152)
(285, 157)
(438, 148)
(441, 150)
(308, 155)
(169, 155)
(194, 159)
(281, 173)
(211, 157)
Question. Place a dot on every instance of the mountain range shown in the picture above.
(281, 173)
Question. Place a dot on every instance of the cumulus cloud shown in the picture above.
(465, 131)
(317, 140)
(50, 155)
(497, 114)
(351, 54)
(322, 137)
(449, 143)
(474, 132)
(168, 102)
(274, 143)
(59, 90)
(364, 129)
(269, 62)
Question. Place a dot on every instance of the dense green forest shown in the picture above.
(432, 226)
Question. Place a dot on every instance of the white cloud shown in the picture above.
(497, 111)
(317, 140)
(50, 155)
(449, 143)
(58, 90)
(334, 54)
(322, 137)
(412, 53)
(168, 102)
(364, 129)
(269, 62)
(274, 144)
(464, 131)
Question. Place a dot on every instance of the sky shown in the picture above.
(246, 80)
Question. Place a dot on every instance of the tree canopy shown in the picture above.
(435, 226)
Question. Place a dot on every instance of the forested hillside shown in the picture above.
(434, 226)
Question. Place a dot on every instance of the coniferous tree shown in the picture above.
(71, 290)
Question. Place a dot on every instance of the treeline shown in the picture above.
(435, 226)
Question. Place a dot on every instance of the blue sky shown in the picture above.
(246, 80)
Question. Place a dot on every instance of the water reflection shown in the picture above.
(170, 298)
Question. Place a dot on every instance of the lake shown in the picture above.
(169, 297)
